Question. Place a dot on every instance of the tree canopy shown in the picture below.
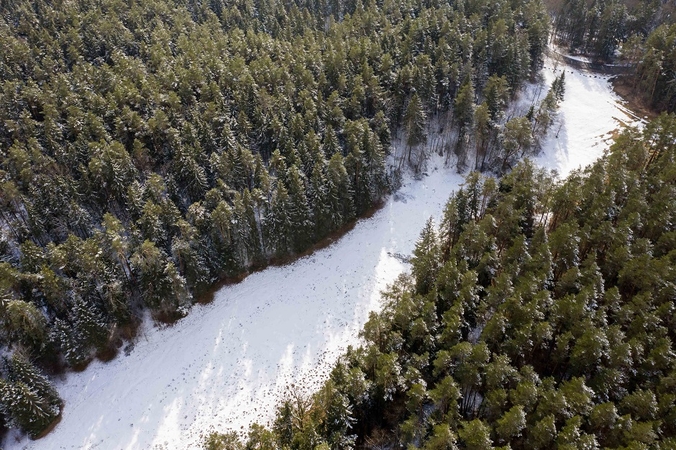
(149, 148)
(538, 314)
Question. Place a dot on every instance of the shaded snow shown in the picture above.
(580, 58)
(227, 364)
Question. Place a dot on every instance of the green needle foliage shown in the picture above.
(538, 315)
(27, 399)
(150, 148)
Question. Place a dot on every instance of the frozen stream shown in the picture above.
(227, 363)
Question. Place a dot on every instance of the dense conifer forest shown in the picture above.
(151, 148)
(638, 34)
(538, 315)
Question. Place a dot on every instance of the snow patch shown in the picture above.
(587, 119)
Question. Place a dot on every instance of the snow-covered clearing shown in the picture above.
(228, 363)
(588, 118)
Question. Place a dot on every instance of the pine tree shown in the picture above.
(189, 172)
(25, 409)
(517, 140)
(415, 125)
(93, 173)
(339, 193)
(24, 323)
(90, 323)
(111, 170)
(464, 106)
(426, 258)
(475, 435)
(71, 341)
(248, 240)
(222, 233)
(547, 322)
(190, 256)
(496, 94)
(559, 86)
(463, 114)
(299, 210)
(483, 130)
(376, 182)
(318, 199)
(163, 288)
(22, 370)
(278, 223)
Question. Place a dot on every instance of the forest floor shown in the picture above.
(625, 89)
(229, 362)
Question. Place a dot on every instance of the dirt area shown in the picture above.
(624, 88)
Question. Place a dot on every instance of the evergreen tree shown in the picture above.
(189, 253)
(163, 288)
(496, 94)
(27, 410)
(538, 318)
(518, 139)
(426, 258)
(463, 112)
(223, 234)
(278, 223)
(339, 193)
(24, 323)
(415, 124)
(318, 199)
(247, 235)
(464, 106)
(131, 180)
(300, 220)
(22, 370)
(31, 409)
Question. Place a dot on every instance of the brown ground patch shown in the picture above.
(51, 426)
(623, 87)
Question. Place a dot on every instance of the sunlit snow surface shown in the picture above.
(590, 114)
(227, 364)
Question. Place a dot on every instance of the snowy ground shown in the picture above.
(589, 116)
(227, 364)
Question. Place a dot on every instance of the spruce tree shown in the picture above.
(318, 199)
(299, 210)
(71, 341)
(278, 223)
(25, 409)
(23, 322)
(339, 193)
(426, 258)
(22, 370)
(539, 318)
(90, 323)
(415, 125)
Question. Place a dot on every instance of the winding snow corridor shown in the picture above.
(227, 364)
